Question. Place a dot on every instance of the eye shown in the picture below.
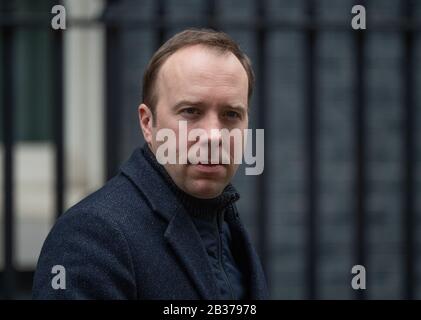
(233, 114)
(190, 111)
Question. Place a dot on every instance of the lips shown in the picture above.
(205, 164)
(207, 167)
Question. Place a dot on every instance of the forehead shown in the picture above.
(199, 70)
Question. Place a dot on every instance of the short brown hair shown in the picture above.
(207, 37)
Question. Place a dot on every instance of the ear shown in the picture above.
(145, 121)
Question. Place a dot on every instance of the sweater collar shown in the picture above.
(201, 208)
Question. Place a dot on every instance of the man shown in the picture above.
(159, 230)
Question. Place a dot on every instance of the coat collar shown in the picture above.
(182, 235)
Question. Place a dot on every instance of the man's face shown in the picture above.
(209, 90)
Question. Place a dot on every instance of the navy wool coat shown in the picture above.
(132, 239)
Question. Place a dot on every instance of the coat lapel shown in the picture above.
(181, 233)
(186, 243)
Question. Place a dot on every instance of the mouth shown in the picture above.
(208, 167)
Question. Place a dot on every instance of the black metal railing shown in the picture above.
(8, 141)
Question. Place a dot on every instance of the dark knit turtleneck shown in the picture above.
(205, 208)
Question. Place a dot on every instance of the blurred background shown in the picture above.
(340, 109)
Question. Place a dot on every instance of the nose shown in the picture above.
(211, 137)
(212, 126)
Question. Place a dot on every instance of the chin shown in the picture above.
(206, 189)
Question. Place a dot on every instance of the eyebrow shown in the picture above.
(188, 103)
(239, 108)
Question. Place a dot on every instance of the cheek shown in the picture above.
(232, 169)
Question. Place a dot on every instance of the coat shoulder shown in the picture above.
(118, 201)
(91, 241)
